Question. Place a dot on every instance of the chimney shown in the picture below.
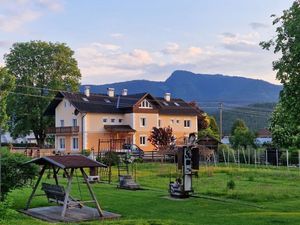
(87, 91)
(124, 92)
(111, 92)
(167, 97)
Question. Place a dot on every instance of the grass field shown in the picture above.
(261, 196)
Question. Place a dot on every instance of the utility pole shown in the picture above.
(221, 120)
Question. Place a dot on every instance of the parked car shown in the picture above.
(132, 149)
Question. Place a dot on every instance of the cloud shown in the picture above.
(109, 47)
(256, 25)
(15, 14)
(236, 54)
(117, 35)
(240, 42)
(228, 35)
(171, 48)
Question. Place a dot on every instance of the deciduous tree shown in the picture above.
(285, 123)
(39, 68)
(162, 139)
(6, 85)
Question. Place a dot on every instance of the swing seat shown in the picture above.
(56, 193)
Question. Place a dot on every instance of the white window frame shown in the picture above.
(187, 123)
(120, 120)
(172, 121)
(76, 147)
(60, 142)
(177, 121)
(143, 120)
(62, 123)
(145, 104)
(74, 124)
(143, 140)
(104, 122)
(113, 120)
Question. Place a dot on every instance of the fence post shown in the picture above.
(266, 157)
(277, 157)
(224, 157)
(287, 158)
(255, 157)
(249, 158)
(299, 159)
(239, 157)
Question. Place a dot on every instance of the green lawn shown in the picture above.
(261, 196)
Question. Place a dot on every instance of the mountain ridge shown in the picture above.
(201, 88)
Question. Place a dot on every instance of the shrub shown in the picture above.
(110, 158)
(5, 210)
(230, 185)
(86, 152)
(12, 167)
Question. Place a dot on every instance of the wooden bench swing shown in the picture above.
(57, 193)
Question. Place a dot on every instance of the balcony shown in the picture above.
(62, 130)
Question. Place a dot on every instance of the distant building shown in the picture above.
(263, 136)
(7, 138)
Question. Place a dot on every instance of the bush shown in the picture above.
(110, 158)
(5, 210)
(86, 152)
(230, 185)
(14, 173)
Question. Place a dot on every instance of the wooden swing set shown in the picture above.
(58, 194)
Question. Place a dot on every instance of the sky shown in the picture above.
(119, 40)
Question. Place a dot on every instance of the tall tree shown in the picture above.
(238, 123)
(241, 136)
(39, 68)
(212, 128)
(6, 85)
(285, 123)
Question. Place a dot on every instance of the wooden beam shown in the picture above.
(35, 187)
(63, 213)
(91, 192)
(55, 175)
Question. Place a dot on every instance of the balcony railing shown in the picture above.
(62, 130)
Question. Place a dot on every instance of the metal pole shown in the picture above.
(287, 158)
(239, 157)
(255, 157)
(224, 157)
(266, 157)
(277, 158)
(299, 159)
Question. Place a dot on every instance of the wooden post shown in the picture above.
(55, 175)
(91, 192)
(266, 157)
(63, 213)
(35, 187)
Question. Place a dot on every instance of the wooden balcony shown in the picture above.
(62, 130)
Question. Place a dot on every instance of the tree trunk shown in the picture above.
(40, 139)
